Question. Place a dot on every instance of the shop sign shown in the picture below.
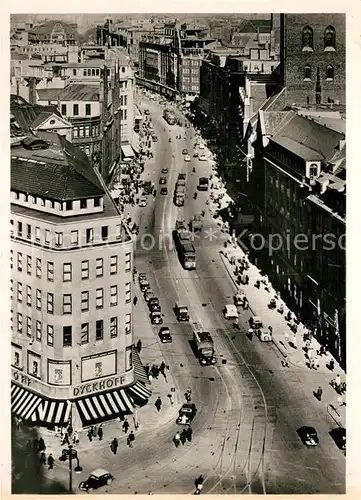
(20, 377)
(101, 385)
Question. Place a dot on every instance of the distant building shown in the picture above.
(298, 186)
(54, 32)
(313, 52)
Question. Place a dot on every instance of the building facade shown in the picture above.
(71, 289)
(313, 51)
(54, 32)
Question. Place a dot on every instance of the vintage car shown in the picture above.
(239, 298)
(156, 318)
(255, 322)
(230, 311)
(186, 414)
(308, 435)
(148, 294)
(154, 306)
(164, 191)
(144, 285)
(165, 336)
(264, 335)
(98, 478)
(163, 180)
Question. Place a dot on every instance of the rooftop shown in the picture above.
(72, 92)
(59, 172)
(27, 116)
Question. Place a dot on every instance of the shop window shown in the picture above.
(85, 301)
(330, 39)
(113, 327)
(330, 73)
(113, 264)
(67, 336)
(99, 329)
(84, 339)
(307, 73)
(114, 295)
(307, 39)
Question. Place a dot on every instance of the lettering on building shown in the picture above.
(98, 386)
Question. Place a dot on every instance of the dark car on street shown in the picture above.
(186, 414)
(164, 190)
(153, 306)
(146, 112)
(165, 336)
(308, 435)
(156, 318)
(154, 138)
(144, 285)
(98, 478)
(185, 152)
(163, 180)
(339, 436)
(164, 170)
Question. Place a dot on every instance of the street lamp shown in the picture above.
(70, 449)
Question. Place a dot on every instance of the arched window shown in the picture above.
(307, 39)
(330, 72)
(307, 72)
(330, 38)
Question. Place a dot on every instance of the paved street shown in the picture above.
(249, 406)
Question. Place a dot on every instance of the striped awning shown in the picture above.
(104, 405)
(139, 371)
(23, 402)
(52, 412)
(139, 391)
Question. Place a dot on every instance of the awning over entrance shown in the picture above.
(127, 151)
(23, 402)
(104, 405)
(139, 371)
(52, 412)
(139, 391)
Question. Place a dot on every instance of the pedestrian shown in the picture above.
(319, 393)
(139, 345)
(162, 368)
(176, 439)
(156, 372)
(199, 481)
(131, 438)
(189, 433)
(95, 431)
(338, 381)
(41, 444)
(42, 458)
(158, 403)
(125, 426)
(135, 300)
(90, 434)
(171, 399)
(76, 437)
(66, 438)
(183, 436)
(114, 446)
(100, 432)
(50, 462)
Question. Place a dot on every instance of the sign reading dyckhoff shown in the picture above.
(100, 385)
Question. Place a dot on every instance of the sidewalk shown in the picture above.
(290, 345)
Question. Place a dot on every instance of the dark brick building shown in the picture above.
(313, 52)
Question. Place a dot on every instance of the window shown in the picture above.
(99, 329)
(28, 231)
(128, 292)
(74, 237)
(16, 359)
(38, 331)
(74, 72)
(28, 326)
(84, 334)
(87, 134)
(37, 233)
(85, 269)
(307, 39)
(104, 232)
(38, 298)
(67, 336)
(20, 292)
(11, 259)
(58, 239)
(28, 264)
(307, 72)
(313, 172)
(35, 371)
(20, 323)
(26, 197)
(88, 109)
(68, 205)
(67, 271)
(67, 300)
(128, 358)
(125, 114)
(50, 335)
(85, 301)
(38, 268)
(76, 132)
(113, 264)
(83, 203)
(28, 295)
(128, 261)
(99, 298)
(113, 295)
(47, 237)
(84, 72)
(118, 231)
(89, 235)
(330, 39)
(99, 268)
(50, 271)
(113, 327)
(11, 289)
(97, 202)
(75, 109)
(128, 320)
(50, 303)
(330, 72)
(63, 109)
(20, 228)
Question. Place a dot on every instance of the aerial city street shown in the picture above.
(178, 289)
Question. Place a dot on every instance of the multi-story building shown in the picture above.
(299, 193)
(313, 52)
(71, 289)
(54, 32)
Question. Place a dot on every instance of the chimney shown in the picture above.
(32, 90)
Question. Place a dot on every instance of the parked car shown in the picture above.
(156, 318)
(308, 435)
(339, 436)
(163, 180)
(187, 158)
(148, 294)
(146, 112)
(154, 306)
(185, 152)
(164, 170)
(143, 202)
(255, 322)
(98, 478)
(165, 336)
(164, 191)
(144, 285)
(186, 414)
(195, 154)
(142, 276)
(230, 311)
(154, 300)
(202, 158)
(154, 138)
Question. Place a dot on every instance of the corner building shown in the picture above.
(71, 290)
